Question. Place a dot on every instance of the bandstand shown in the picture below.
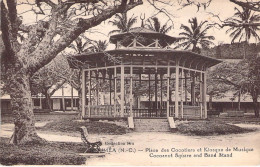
(143, 65)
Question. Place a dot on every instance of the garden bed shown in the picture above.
(50, 153)
(206, 128)
(94, 127)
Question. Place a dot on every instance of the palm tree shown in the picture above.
(246, 31)
(79, 46)
(195, 36)
(98, 46)
(122, 23)
(155, 25)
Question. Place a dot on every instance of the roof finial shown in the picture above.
(142, 25)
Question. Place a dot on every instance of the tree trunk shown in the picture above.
(210, 101)
(80, 102)
(47, 104)
(22, 107)
(48, 101)
(239, 100)
(256, 106)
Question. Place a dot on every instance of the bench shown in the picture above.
(91, 147)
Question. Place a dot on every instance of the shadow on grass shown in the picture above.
(207, 128)
(50, 153)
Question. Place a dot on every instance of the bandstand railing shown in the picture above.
(110, 111)
(102, 111)
(144, 112)
(188, 111)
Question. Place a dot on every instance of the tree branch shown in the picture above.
(250, 5)
(45, 55)
(57, 86)
(227, 23)
(49, 2)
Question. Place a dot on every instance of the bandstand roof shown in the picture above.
(143, 32)
(145, 57)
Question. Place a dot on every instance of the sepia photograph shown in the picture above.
(130, 82)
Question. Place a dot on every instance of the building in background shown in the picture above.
(61, 100)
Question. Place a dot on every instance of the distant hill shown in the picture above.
(231, 51)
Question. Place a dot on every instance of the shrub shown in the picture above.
(205, 128)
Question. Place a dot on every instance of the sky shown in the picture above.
(223, 8)
(179, 16)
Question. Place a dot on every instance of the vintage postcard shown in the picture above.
(130, 82)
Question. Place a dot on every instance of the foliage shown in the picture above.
(208, 128)
(242, 77)
(247, 4)
(252, 83)
(231, 51)
(155, 25)
(98, 46)
(232, 76)
(122, 23)
(52, 153)
(244, 32)
(195, 36)
(79, 45)
(215, 88)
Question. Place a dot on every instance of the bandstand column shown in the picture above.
(185, 87)
(193, 88)
(168, 91)
(201, 96)
(155, 94)
(161, 78)
(149, 93)
(115, 95)
(83, 93)
(177, 91)
(182, 75)
(110, 89)
(131, 91)
(97, 86)
(89, 93)
(122, 76)
(204, 94)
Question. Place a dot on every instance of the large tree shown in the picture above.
(243, 77)
(233, 74)
(252, 82)
(215, 88)
(195, 36)
(62, 24)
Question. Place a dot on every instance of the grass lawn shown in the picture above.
(206, 128)
(94, 127)
(237, 120)
(50, 153)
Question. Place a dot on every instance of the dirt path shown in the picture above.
(146, 148)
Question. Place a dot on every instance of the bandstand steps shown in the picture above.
(151, 125)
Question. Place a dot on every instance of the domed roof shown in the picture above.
(143, 32)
